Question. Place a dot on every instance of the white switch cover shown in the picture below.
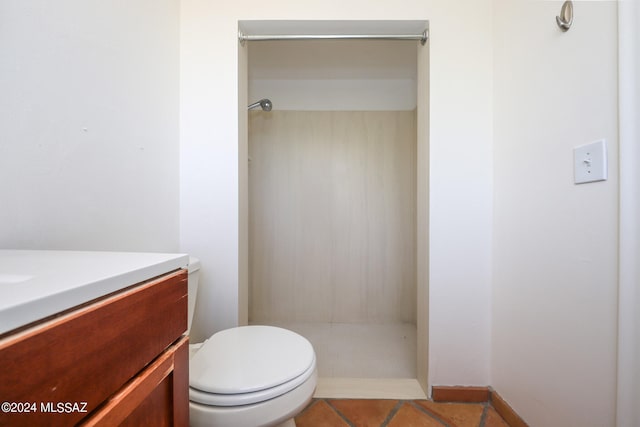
(590, 162)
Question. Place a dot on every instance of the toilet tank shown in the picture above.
(192, 285)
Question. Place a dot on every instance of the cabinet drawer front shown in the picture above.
(157, 397)
(86, 355)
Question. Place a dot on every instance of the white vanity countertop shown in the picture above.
(38, 284)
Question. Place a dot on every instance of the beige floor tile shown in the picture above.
(360, 350)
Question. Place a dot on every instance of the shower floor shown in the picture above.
(360, 350)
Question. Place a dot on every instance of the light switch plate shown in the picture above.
(590, 162)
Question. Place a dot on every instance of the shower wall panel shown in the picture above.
(332, 216)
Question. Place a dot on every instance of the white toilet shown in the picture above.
(249, 376)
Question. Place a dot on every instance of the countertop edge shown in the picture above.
(31, 311)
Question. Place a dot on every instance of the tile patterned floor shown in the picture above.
(397, 413)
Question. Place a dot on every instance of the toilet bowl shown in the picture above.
(248, 376)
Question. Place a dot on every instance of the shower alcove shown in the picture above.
(336, 211)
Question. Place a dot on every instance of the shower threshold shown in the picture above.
(369, 388)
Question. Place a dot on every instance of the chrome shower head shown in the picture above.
(265, 104)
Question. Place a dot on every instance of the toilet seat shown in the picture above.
(215, 399)
(249, 364)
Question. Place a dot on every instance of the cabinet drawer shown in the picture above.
(157, 397)
(87, 355)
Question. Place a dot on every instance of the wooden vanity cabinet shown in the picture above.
(119, 360)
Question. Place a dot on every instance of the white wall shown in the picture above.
(555, 244)
(461, 163)
(628, 410)
(360, 75)
(89, 125)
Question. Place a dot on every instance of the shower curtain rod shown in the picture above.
(423, 37)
